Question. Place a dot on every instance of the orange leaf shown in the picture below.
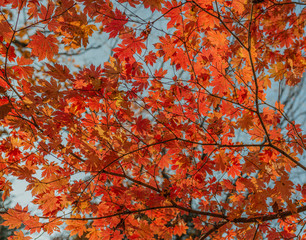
(14, 218)
(19, 235)
(217, 39)
(6, 31)
(44, 47)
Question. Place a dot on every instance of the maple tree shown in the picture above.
(179, 122)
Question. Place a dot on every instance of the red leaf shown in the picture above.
(116, 25)
(142, 125)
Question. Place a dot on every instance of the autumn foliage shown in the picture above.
(178, 133)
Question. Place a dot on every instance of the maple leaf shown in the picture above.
(59, 72)
(239, 5)
(76, 226)
(134, 43)
(153, 4)
(37, 187)
(205, 21)
(217, 39)
(277, 71)
(15, 217)
(234, 170)
(113, 68)
(150, 58)
(246, 121)
(33, 6)
(6, 30)
(23, 70)
(116, 25)
(142, 125)
(174, 14)
(93, 234)
(4, 110)
(46, 11)
(52, 226)
(8, 51)
(44, 47)
(19, 236)
(240, 186)
(159, 74)
(180, 228)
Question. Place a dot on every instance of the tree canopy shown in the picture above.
(182, 132)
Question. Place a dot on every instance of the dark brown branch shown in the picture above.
(269, 217)
(214, 229)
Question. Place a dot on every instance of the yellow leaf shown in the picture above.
(27, 101)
